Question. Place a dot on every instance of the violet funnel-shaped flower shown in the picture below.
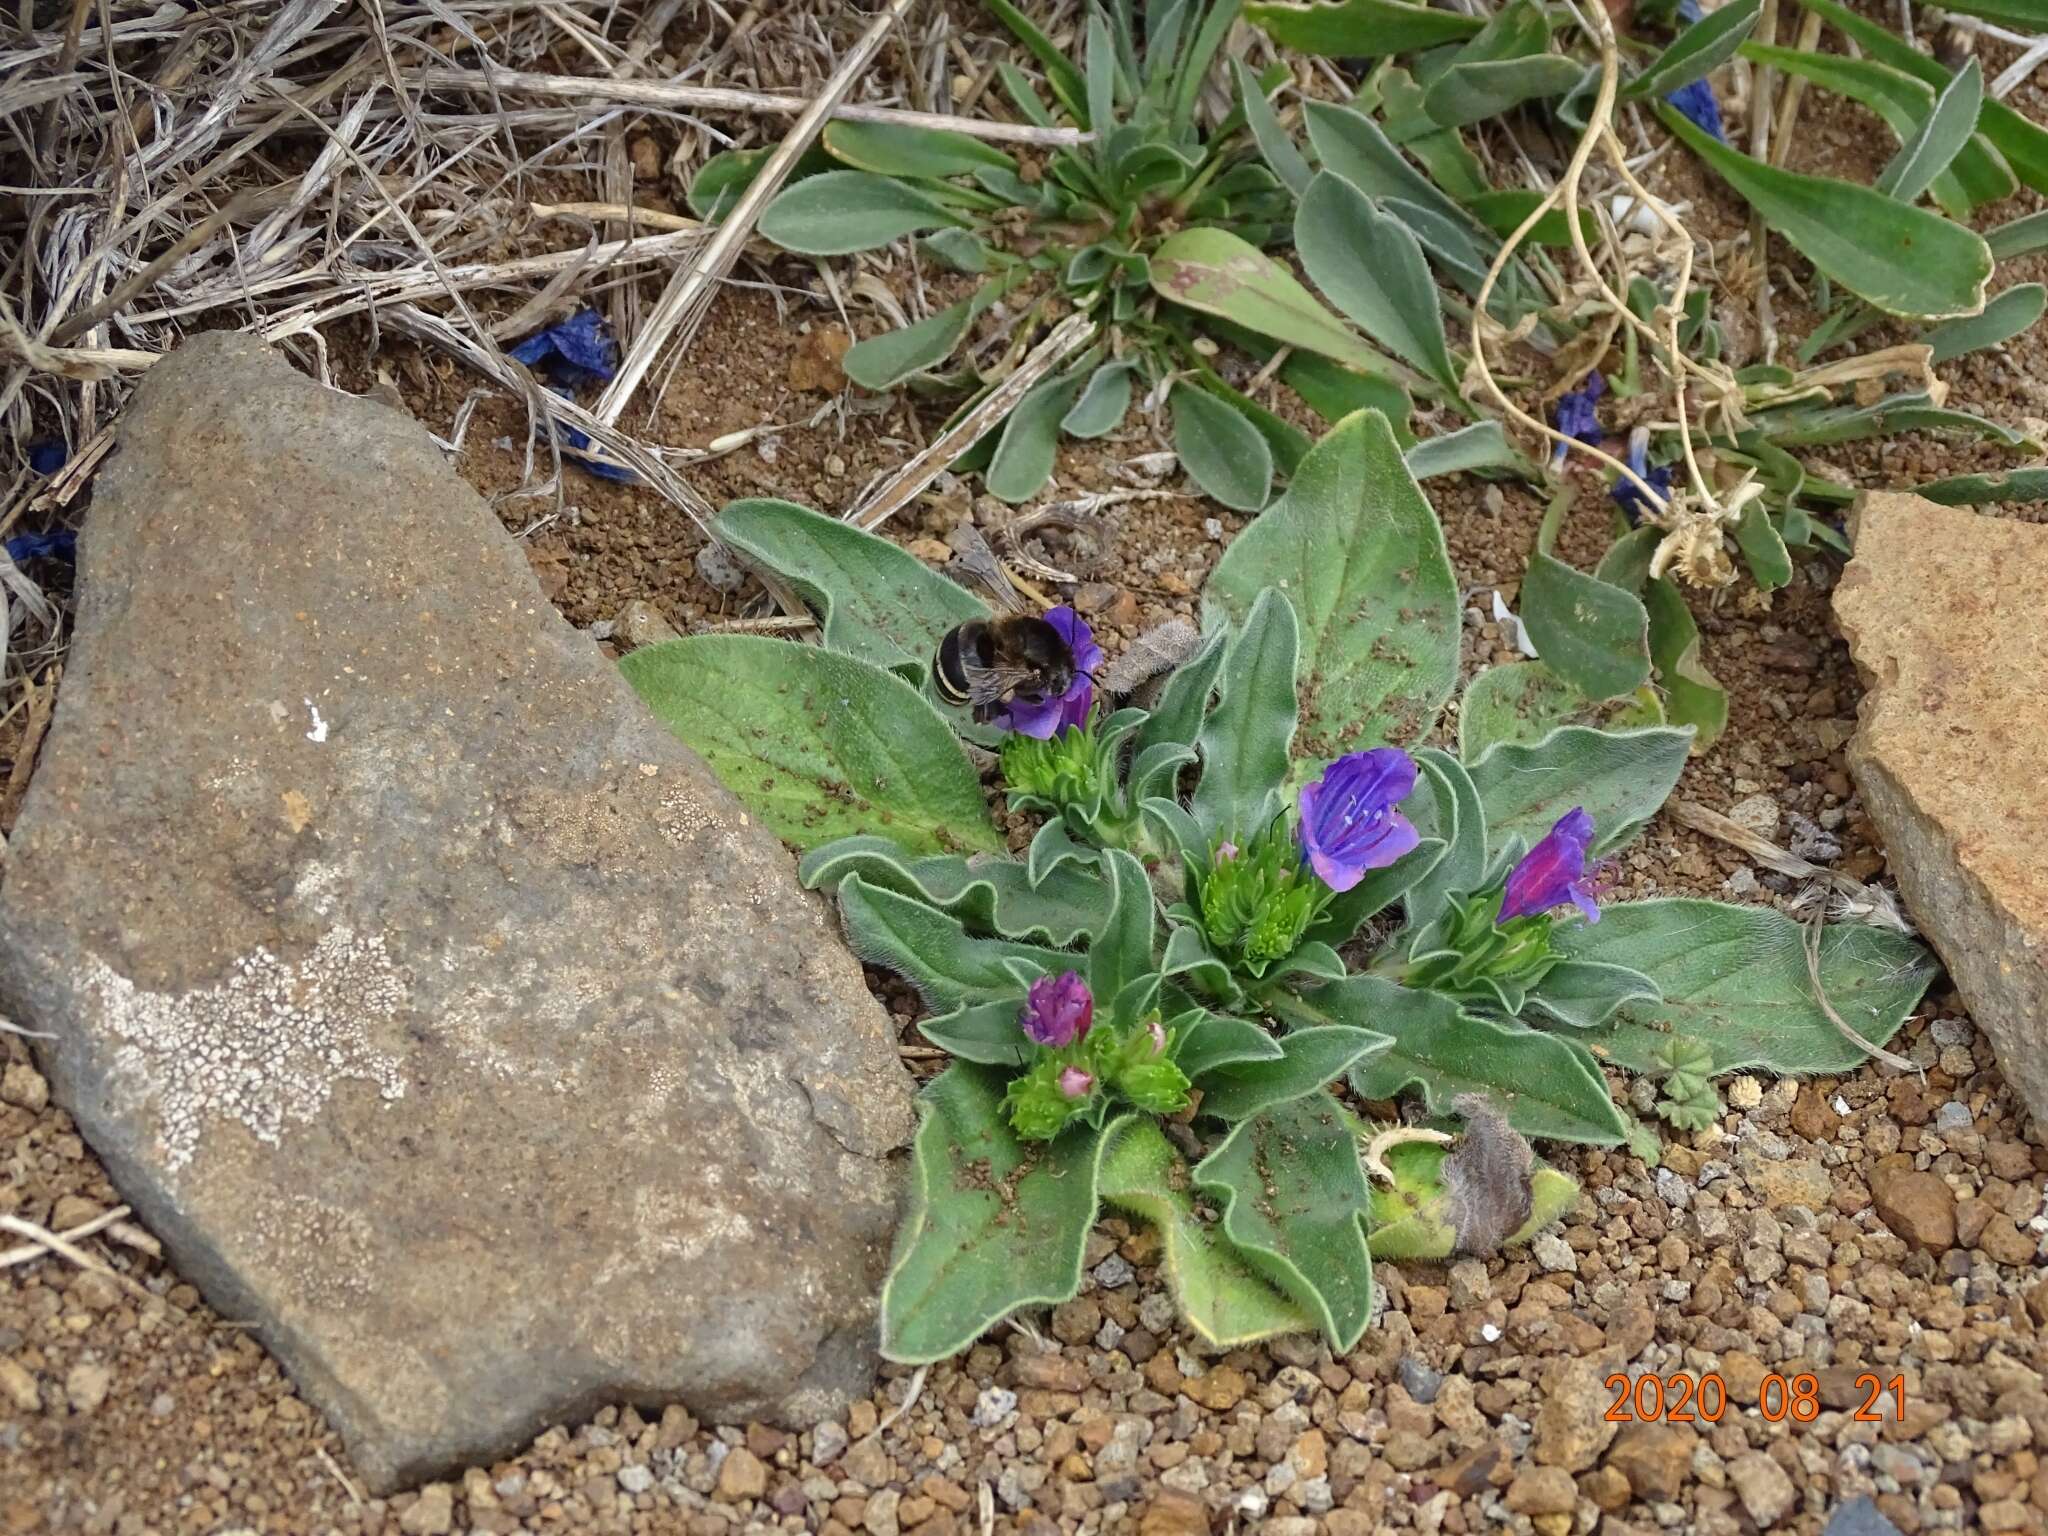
(1553, 873)
(1057, 1010)
(1043, 718)
(1348, 821)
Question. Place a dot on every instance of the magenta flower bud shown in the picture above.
(1075, 1083)
(1554, 871)
(1157, 1031)
(1348, 821)
(1225, 850)
(1057, 1010)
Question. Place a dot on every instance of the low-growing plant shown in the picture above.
(1155, 227)
(1259, 881)
(1710, 462)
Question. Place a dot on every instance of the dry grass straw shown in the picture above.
(325, 174)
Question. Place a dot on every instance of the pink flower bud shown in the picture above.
(1076, 1084)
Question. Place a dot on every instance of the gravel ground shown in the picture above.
(1842, 1229)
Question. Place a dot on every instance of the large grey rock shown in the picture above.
(1942, 609)
(445, 1017)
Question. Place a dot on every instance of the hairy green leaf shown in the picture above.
(884, 361)
(904, 149)
(1455, 817)
(1216, 273)
(1030, 440)
(2012, 312)
(1525, 701)
(840, 212)
(1472, 92)
(1373, 270)
(1945, 134)
(1545, 1085)
(1061, 906)
(1735, 979)
(1103, 402)
(1819, 426)
(1905, 261)
(1221, 451)
(1484, 445)
(1310, 1058)
(994, 1223)
(818, 745)
(1621, 778)
(1244, 741)
(1980, 174)
(1279, 151)
(1358, 28)
(2023, 143)
(1975, 490)
(1294, 1202)
(1592, 634)
(875, 601)
(1223, 1299)
(1357, 549)
(1586, 993)
(933, 951)
(1697, 51)
(2019, 238)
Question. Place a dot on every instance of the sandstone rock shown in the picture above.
(1655, 1458)
(1572, 1427)
(1542, 1491)
(741, 1476)
(1943, 614)
(1919, 1207)
(1766, 1492)
(436, 1007)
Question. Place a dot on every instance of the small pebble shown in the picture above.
(993, 1406)
(1113, 1272)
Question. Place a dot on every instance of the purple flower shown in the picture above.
(1348, 820)
(1044, 718)
(1057, 1010)
(1576, 417)
(1554, 871)
(1627, 494)
(1697, 103)
(1075, 1083)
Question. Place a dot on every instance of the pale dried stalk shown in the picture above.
(1060, 343)
(707, 98)
(688, 296)
(34, 1250)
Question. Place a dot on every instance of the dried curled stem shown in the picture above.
(1694, 520)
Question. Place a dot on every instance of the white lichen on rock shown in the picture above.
(262, 1047)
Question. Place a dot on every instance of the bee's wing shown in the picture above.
(992, 685)
(977, 560)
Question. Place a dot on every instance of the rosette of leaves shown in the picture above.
(1267, 1225)
(1333, 627)
(1156, 227)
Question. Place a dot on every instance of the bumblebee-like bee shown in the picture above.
(986, 663)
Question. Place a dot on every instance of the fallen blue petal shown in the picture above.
(1627, 494)
(1697, 102)
(1576, 416)
(47, 456)
(577, 353)
(1689, 11)
(57, 544)
(572, 438)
